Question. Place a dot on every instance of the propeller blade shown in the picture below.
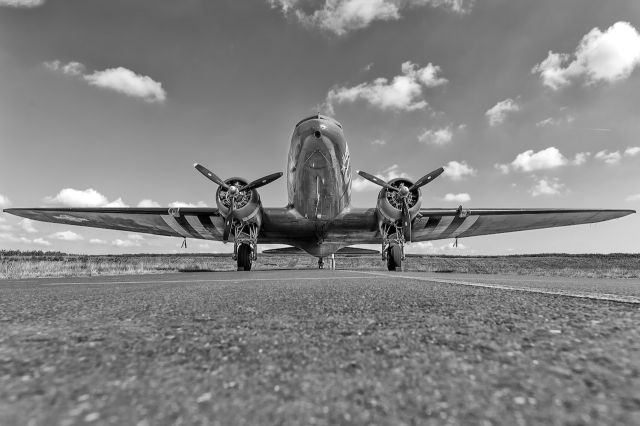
(229, 221)
(261, 182)
(210, 175)
(426, 179)
(376, 180)
(406, 220)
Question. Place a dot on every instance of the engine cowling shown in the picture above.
(389, 205)
(247, 203)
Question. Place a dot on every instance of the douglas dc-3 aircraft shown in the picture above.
(319, 218)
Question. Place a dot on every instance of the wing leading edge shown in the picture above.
(203, 223)
(434, 224)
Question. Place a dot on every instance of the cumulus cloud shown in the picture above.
(392, 172)
(342, 16)
(546, 186)
(125, 243)
(403, 93)
(4, 201)
(550, 158)
(42, 242)
(632, 151)
(129, 83)
(97, 241)
(120, 79)
(21, 3)
(457, 198)
(548, 122)
(497, 114)
(66, 236)
(601, 57)
(148, 203)
(83, 198)
(458, 170)
(436, 136)
(610, 158)
(27, 226)
(183, 204)
(378, 142)
(632, 198)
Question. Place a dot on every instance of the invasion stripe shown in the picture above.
(195, 223)
(187, 227)
(444, 223)
(455, 224)
(207, 222)
(468, 222)
(171, 221)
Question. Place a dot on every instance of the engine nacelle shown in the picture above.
(390, 206)
(247, 203)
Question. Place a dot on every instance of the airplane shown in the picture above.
(318, 218)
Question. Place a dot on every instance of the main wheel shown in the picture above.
(394, 257)
(244, 257)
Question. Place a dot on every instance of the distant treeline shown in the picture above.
(59, 254)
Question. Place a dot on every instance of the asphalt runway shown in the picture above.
(319, 347)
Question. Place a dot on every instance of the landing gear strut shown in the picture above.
(245, 245)
(320, 263)
(392, 245)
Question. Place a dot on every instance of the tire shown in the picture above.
(244, 257)
(394, 257)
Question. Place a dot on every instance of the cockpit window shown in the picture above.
(319, 117)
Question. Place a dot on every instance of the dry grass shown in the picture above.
(60, 265)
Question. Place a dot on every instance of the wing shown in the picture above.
(203, 223)
(434, 224)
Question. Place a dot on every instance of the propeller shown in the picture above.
(402, 193)
(233, 191)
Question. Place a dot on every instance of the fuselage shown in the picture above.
(319, 169)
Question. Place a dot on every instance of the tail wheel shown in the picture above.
(244, 257)
(394, 257)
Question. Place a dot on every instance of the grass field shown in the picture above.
(15, 266)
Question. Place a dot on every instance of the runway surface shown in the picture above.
(319, 347)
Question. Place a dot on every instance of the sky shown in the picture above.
(525, 103)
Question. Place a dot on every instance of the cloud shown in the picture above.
(9, 237)
(378, 142)
(135, 237)
(125, 243)
(83, 198)
(97, 241)
(148, 203)
(498, 113)
(4, 201)
(632, 151)
(403, 93)
(71, 68)
(120, 79)
(436, 136)
(360, 184)
(21, 3)
(546, 186)
(66, 236)
(458, 170)
(125, 81)
(458, 198)
(183, 204)
(610, 158)
(550, 158)
(42, 242)
(529, 161)
(27, 226)
(342, 16)
(548, 122)
(632, 198)
(601, 57)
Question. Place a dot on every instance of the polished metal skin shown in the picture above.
(318, 217)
